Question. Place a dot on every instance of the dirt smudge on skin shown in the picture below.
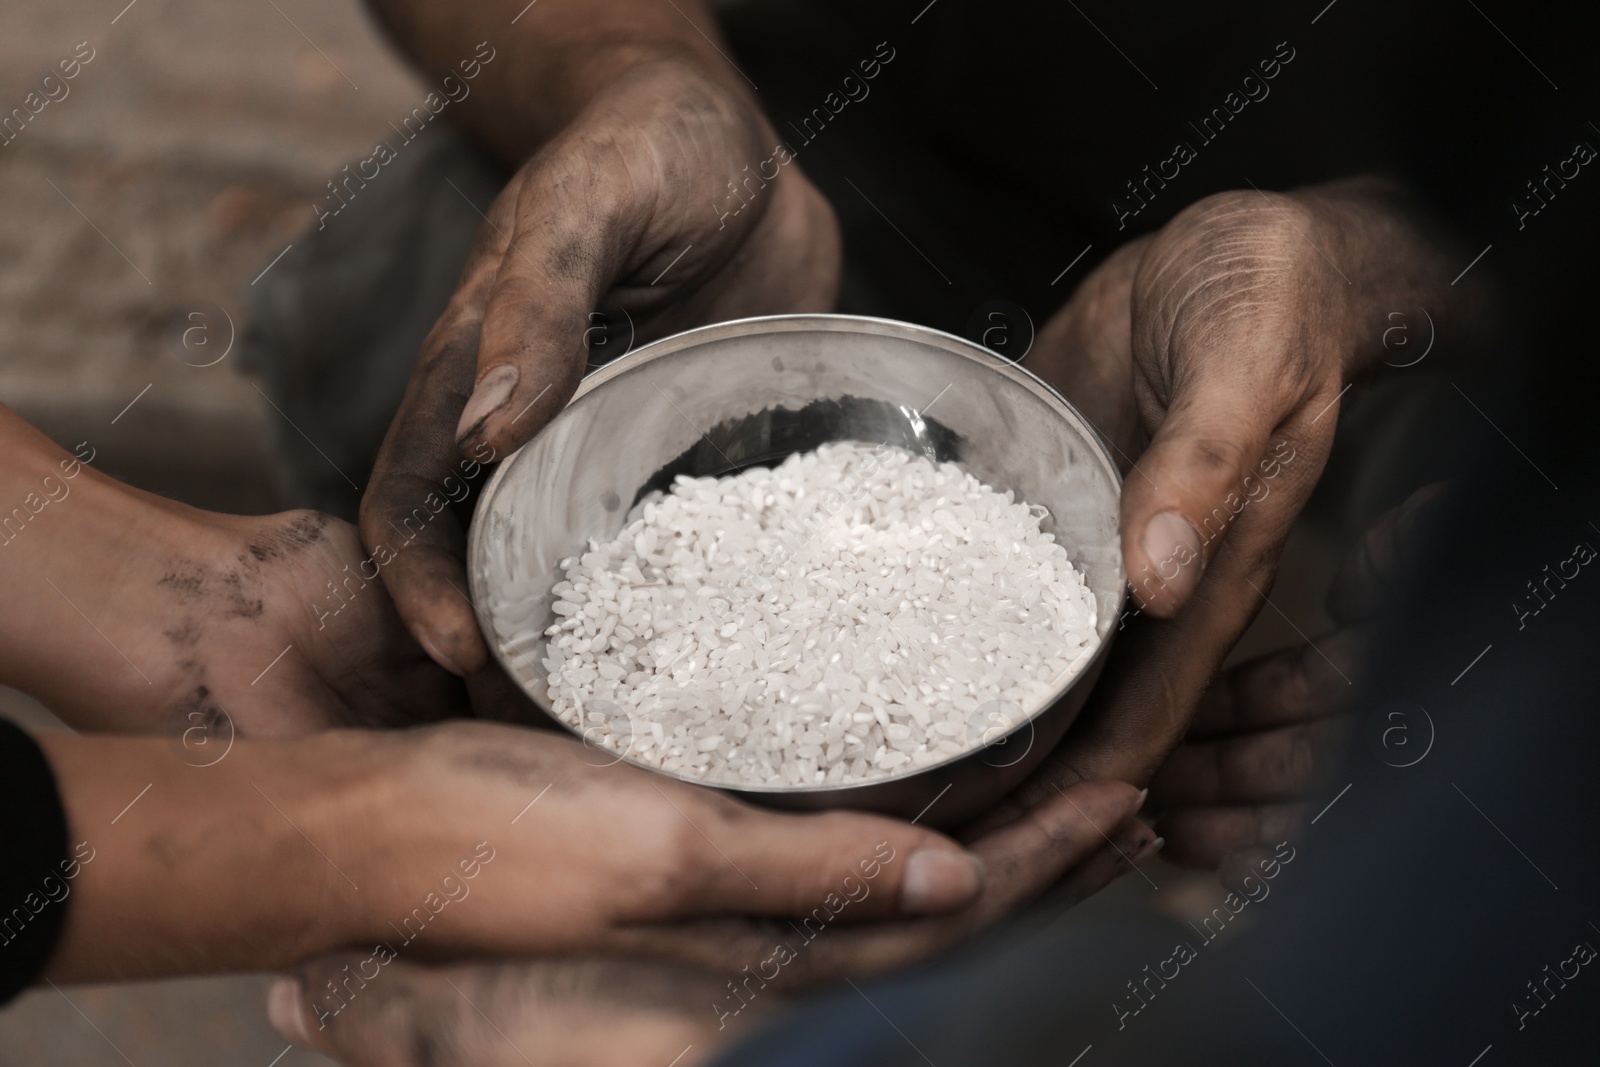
(493, 759)
(241, 604)
(186, 634)
(573, 259)
(299, 533)
(196, 718)
(167, 851)
(198, 708)
(187, 580)
(213, 596)
(229, 593)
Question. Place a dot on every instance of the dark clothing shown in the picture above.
(33, 840)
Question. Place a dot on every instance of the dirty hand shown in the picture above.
(1215, 352)
(136, 614)
(642, 1010)
(462, 839)
(631, 206)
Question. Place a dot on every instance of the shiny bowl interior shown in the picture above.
(751, 392)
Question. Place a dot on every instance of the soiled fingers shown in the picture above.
(1266, 736)
(1022, 859)
(378, 1009)
(1125, 848)
(409, 513)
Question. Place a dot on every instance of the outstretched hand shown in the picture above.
(677, 990)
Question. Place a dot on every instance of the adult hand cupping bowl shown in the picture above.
(1216, 351)
(630, 128)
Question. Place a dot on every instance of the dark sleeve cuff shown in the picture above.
(35, 866)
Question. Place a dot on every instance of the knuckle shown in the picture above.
(1220, 454)
(1228, 261)
(1265, 219)
(454, 335)
(675, 865)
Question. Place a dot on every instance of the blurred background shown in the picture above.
(137, 213)
(186, 156)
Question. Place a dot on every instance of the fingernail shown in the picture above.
(287, 1012)
(1144, 794)
(492, 390)
(938, 881)
(1175, 554)
(1150, 849)
(430, 645)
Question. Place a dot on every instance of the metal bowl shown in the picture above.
(751, 392)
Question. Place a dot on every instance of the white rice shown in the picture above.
(854, 613)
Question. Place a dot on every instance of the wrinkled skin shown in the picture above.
(600, 216)
(1213, 354)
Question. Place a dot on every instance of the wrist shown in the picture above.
(82, 551)
(335, 791)
(566, 80)
(401, 844)
(137, 614)
(189, 870)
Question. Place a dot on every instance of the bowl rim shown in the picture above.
(830, 322)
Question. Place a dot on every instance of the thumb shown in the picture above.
(1198, 475)
(838, 864)
(418, 541)
(563, 252)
